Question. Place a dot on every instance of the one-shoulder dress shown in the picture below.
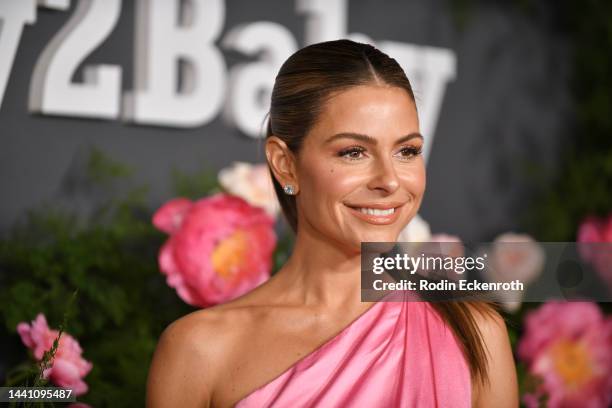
(395, 354)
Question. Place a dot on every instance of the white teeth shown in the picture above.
(375, 211)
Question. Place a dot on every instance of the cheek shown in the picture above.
(327, 186)
(330, 183)
(414, 180)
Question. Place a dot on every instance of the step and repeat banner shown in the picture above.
(164, 84)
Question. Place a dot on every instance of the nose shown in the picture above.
(384, 177)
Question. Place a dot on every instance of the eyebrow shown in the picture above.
(369, 139)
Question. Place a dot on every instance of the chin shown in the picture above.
(382, 236)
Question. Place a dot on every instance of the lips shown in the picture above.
(376, 213)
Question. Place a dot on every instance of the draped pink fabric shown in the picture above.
(396, 354)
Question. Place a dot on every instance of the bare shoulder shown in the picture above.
(501, 389)
(490, 322)
(189, 356)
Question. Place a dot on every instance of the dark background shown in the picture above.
(497, 141)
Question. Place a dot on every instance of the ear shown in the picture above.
(282, 162)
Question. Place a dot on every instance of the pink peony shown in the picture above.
(68, 367)
(594, 239)
(569, 346)
(220, 247)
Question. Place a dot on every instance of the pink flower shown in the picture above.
(68, 367)
(594, 238)
(569, 346)
(220, 247)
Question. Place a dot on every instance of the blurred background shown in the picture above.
(109, 110)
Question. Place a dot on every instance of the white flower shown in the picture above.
(417, 230)
(514, 256)
(411, 237)
(253, 183)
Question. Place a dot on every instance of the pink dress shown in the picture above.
(396, 354)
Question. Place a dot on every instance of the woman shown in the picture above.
(344, 148)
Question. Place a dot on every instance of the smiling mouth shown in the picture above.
(380, 214)
(375, 211)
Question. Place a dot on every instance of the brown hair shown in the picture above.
(304, 83)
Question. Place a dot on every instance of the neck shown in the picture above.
(320, 272)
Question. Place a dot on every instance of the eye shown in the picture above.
(408, 152)
(352, 153)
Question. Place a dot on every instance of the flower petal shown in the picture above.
(169, 217)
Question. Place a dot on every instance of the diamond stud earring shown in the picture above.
(289, 190)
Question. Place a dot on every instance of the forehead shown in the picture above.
(378, 111)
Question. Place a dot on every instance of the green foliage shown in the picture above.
(192, 185)
(584, 185)
(123, 303)
(103, 170)
(282, 250)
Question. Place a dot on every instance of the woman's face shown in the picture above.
(360, 171)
